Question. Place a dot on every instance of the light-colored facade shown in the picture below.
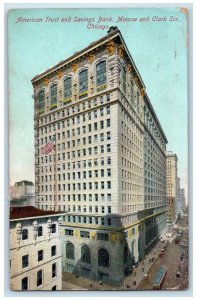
(22, 194)
(93, 103)
(171, 168)
(35, 252)
(182, 199)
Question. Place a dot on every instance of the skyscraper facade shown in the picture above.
(108, 168)
(172, 179)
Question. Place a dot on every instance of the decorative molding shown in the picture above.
(111, 48)
(46, 81)
(74, 68)
(49, 223)
(93, 235)
(59, 74)
(113, 237)
(129, 68)
(76, 233)
(121, 50)
(142, 92)
(18, 232)
(91, 58)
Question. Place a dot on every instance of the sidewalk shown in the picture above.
(132, 281)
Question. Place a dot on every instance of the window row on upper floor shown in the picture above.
(101, 78)
(25, 232)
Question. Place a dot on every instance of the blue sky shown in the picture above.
(159, 50)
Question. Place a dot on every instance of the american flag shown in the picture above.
(50, 146)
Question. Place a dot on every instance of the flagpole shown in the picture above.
(55, 208)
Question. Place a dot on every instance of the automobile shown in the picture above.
(178, 274)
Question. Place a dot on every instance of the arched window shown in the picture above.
(85, 254)
(83, 81)
(125, 254)
(54, 94)
(24, 234)
(40, 231)
(67, 87)
(70, 251)
(103, 258)
(53, 228)
(41, 100)
(101, 73)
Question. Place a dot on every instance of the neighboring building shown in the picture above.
(178, 204)
(22, 194)
(35, 252)
(182, 199)
(171, 163)
(108, 167)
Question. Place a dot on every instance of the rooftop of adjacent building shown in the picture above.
(171, 154)
(24, 212)
(23, 182)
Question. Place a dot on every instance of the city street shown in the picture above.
(175, 258)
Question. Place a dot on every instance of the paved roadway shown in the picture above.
(171, 259)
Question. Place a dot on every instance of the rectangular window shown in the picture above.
(54, 271)
(102, 137)
(53, 250)
(102, 124)
(24, 284)
(102, 236)
(25, 261)
(39, 278)
(108, 148)
(108, 122)
(85, 234)
(40, 255)
(108, 136)
(108, 197)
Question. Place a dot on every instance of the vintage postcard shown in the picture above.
(98, 149)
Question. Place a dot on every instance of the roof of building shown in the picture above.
(112, 33)
(24, 212)
(23, 182)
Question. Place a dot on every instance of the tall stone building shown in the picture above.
(35, 251)
(182, 199)
(171, 163)
(108, 167)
